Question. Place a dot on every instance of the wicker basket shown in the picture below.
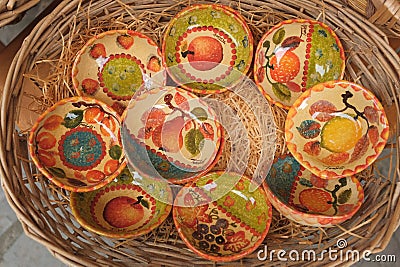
(10, 10)
(44, 209)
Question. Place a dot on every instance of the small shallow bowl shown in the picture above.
(170, 133)
(295, 55)
(207, 48)
(123, 208)
(76, 144)
(307, 199)
(220, 220)
(336, 129)
(113, 65)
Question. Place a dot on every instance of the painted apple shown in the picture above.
(204, 53)
(169, 135)
(123, 212)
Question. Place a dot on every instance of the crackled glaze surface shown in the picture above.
(295, 55)
(336, 129)
(308, 199)
(228, 228)
(122, 209)
(207, 48)
(76, 144)
(113, 65)
(168, 132)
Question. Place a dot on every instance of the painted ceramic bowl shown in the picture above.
(225, 229)
(113, 65)
(305, 198)
(170, 133)
(207, 48)
(336, 129)
(122, 209)
(294, 56)
(76, 144)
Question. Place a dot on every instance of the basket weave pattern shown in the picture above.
(10, 10)
(43, 209)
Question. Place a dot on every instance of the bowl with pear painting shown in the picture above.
(170, 133)
(125, 208)
(307, 199)
(336, 129)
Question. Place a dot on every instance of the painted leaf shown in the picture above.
(115, 152)
(200, 113)
(144, 203)
(193, 141)
(281, 91)
(309, 129)
(73, 118)
(57, 172)
(335, 159)
(292, 42)
(343, 181)
(278, 36)
(322, 109)
(344, 196)
(312, 148)
(372, 114)
(305, 182)
(260, 74)
(236, 242)
(360, 148)
(267, 44)
(76, 182)
(294, 87)
(245, 42)
(373, 135)
(181, 101)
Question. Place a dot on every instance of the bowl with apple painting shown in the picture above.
(113, 65)
(295, 55)
(123, 209)
(207, 48)
(307, 199)
(222, 227)
(170, 133)
(336, 129)
(76, 143)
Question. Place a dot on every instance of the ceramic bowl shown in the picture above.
(295, 55)
(336, 129)
(225, 229)
(76, 144)
(113, 65)
(207, 48)
(170, 133)
(305, 198)
(122, 209)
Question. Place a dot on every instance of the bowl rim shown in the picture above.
(40, 166)
(226, 9)
(280, 24)
(333, 174)
(230, 257)
(325, 220)
(121, 235)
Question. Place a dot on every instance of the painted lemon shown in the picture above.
(340, 133)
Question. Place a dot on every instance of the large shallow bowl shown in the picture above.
(336, 129)
(223, 228)
(76, 144)
(122, 209)
(305, 198)
(207, 48)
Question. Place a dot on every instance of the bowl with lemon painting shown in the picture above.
(172, 134)
(336, 129)
(305, 198)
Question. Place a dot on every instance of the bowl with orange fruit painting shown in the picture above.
(307, 199)
(76, 143)
(129, 206)
(171, 134)
(295, 55)
(336, 129)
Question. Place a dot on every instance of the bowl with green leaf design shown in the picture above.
(220, 217)
(76, 143)
(125, 208)
(207, 48)
(336, 129)
(170, 133)
(307, 199)
(293, 56)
